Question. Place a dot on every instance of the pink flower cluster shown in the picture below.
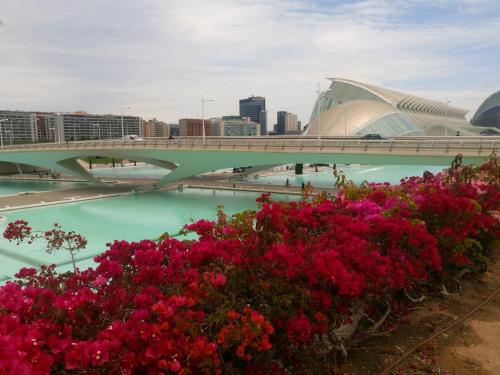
(261, 292)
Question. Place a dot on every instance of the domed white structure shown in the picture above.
(350, 108)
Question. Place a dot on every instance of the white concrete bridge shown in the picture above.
(189, 156)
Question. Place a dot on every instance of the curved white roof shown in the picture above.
(406, 101)
(349, 106)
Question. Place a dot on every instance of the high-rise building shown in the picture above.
(287, 123)
(192, 127)
(255, 108)
(263, 122)
(280, 124)
(235, 126)
(291, 124)
(155, 128)
(174, 130)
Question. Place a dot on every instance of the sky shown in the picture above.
(158, 56)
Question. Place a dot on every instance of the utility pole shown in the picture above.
(203, 101)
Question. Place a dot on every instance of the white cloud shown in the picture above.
(159, 56)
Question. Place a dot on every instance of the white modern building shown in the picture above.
(18, 127)
(26, 127)
(81, 126)
(350, 108)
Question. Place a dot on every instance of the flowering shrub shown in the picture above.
(275, 291)
(55, 238)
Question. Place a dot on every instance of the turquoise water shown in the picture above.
(131, 217)
(356, 173)
(140, 171)
(140, 216)
(10, 187)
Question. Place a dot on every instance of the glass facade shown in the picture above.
(392, 125)
(254, 107)
(489, 118)
(488, 114)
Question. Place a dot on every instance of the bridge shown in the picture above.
(189, 156)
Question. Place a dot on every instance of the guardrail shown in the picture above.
(479, 145)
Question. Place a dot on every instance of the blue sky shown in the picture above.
(158, 56)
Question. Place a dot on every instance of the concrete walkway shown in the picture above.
(204, 183)
(46, 198)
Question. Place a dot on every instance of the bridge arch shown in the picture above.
(189, 157)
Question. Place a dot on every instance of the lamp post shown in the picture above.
(121, 113)
(1, 135)
(203, 101)
(10, 136)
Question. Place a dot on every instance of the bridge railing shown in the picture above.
(480, 144)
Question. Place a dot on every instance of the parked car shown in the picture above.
(372, 136)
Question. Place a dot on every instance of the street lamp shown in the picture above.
(203, 101)
(1, 135)
(121, 113)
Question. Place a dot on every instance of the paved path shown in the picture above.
(11, 202)
(245, 186)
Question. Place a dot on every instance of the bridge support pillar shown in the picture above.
(19, 169)
(299, 168)
(73, 167)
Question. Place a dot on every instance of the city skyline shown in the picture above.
(157, 58)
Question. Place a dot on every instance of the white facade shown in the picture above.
(18, 127)
(350, 108)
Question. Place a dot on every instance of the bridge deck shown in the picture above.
(417, 145)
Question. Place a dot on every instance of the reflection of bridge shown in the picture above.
(190, 156)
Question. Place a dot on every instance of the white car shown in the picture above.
(132, 137)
